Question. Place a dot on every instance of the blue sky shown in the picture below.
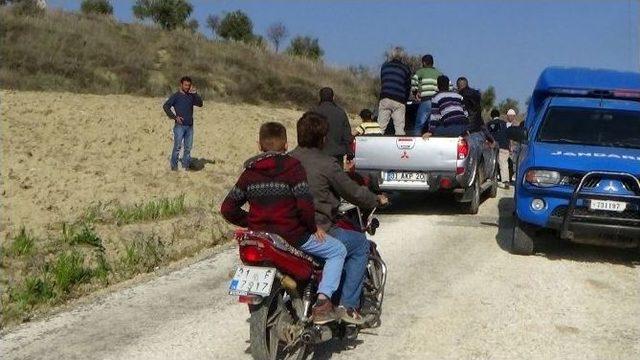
(500, 43)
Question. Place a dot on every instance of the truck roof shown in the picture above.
(584, 82)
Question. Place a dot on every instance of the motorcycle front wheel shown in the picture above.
(266, 324)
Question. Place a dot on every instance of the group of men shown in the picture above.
(442, 111)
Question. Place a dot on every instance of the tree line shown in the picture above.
(176, 14)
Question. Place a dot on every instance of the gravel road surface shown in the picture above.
(452, 293)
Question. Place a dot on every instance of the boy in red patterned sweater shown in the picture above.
(280, 202)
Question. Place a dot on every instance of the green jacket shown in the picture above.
(425, 81)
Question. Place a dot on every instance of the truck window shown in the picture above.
(596, 127)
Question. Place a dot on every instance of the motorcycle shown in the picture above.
(279, 283)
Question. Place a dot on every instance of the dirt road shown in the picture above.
(452, 293)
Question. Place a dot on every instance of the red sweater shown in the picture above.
(280, 202)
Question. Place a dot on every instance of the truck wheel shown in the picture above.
(473, 206)
(522, 241)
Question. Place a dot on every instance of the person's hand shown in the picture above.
(179, 120)
(383, 199)
(348, 165)
(426, 135)
(193, 90)
(320, 235)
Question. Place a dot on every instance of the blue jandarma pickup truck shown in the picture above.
(579, 163)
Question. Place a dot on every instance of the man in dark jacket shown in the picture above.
(395, 85)
(339, 136)
(182, 103)
(472, 101)
(275, 186)
(329, 183)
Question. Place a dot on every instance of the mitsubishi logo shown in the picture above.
(611, 187)
(404, 155)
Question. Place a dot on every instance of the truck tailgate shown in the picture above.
(406, 153)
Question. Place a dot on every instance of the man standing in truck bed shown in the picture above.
(395, 78)
(425, 83)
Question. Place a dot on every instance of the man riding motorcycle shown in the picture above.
(329, 183)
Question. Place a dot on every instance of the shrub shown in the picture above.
(236, 26)
(142, 255)
(99, 7)
(306, 46)
(69, 270)
(23, 243)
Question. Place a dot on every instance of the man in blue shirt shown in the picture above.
(182, 103)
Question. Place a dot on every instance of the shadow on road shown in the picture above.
(424, 204)
(550, 246)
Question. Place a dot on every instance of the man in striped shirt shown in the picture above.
(395, 78)
(448, 116)
(425, 84)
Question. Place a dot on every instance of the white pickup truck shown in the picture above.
(465, 166)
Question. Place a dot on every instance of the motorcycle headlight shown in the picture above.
(543, 178)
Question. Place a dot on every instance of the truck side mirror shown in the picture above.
(517, 134)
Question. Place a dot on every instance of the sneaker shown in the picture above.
(351, 316)
(506, 185)
(323, 312)
(174, 168)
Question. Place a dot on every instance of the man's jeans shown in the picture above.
(424, 112)
(333, 252)
(182, 134)
(355, 265)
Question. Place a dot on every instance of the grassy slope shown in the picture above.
(71, 52)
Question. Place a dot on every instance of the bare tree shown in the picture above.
(213, 21)
(277, 33)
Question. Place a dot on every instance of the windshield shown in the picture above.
(597, 127)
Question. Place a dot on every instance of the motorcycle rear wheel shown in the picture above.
(263, 326)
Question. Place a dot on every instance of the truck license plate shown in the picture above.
(608, 205)
(252, 280)
(405, 176)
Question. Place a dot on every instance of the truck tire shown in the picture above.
(522, 239)
(473, 206)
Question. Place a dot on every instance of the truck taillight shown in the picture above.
(463, 149)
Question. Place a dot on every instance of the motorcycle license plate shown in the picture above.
(608, 205)
(252, 280)
(405, 176)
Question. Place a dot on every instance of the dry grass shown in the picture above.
(71, 52)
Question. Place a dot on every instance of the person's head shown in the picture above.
(397, 53)
(495, 113)
(326, 94)
(511, 115)
(427, 60)
(272, 137)
(443, 83)
(312, 130)
(185, 83)
(462, 83)
(366, 115)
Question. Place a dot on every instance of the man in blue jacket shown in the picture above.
(182, 103)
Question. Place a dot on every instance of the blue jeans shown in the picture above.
(182, 134)
(333, 253)
(423, 114)
(355, 265)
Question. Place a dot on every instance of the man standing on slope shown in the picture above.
(425, 83)
(182, 103)
(339, 136)
(395, 78)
